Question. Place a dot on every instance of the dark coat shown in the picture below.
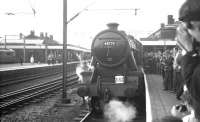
(191, 74)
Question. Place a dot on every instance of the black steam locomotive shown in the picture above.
(117, 60)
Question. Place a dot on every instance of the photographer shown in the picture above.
(188, 35)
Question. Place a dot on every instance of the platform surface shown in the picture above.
(161, 101)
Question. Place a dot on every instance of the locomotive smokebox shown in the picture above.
(110, 48)
(113, 26)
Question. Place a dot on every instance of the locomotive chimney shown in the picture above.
(113, 26)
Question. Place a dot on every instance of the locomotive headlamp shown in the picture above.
(119, 79)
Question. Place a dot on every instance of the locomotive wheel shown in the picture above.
(95, 106)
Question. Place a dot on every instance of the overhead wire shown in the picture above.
(77, 14)
(32, 6)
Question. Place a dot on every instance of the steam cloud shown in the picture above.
(79, 70)
(117, 111)
(83, 66)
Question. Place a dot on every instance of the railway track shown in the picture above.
(83, 115)
(26, 78)
(12, 99)
(89, 117)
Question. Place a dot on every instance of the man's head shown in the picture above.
(190, 14)
(194, 29)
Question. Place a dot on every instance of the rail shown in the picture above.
(34, 91)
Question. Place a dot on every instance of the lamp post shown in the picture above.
(24, 55)
(1, 40)
(65, 58)
(5, 42)
(21, 36)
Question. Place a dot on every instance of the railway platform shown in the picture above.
(12, 72)
(161, 101)
(17, 66)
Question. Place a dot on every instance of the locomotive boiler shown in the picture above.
(117, 61)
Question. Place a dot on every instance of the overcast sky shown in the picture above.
(81, 30)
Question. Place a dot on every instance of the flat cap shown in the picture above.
(190, 11)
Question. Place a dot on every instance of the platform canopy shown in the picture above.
(33, 41)
(159, 43)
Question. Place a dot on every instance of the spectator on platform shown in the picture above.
(50, 59)
(32, 59)
(59, 59)
(178, 78)
(162, 65)
(168, 69)
(188, 34)
(175, 51)
(21, 60)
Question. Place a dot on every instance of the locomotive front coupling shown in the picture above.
(104, 89)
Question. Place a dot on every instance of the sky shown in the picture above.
(81, 30)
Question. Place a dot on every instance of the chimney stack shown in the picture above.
(20, 36)
(113, 26)
(32, 32)
(46, 35)
(51, 37)
(170, 19)
(41, 35)
(162, 25)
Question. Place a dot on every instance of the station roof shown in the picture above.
(159, 43)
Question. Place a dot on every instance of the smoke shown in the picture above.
(79, 58)
(79, 70)
(90, 67)
(117, 111)
(84, 66)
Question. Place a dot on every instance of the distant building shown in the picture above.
(30, 39)
(39, 47)
(163, 37)
(165, 32)
(45, 40)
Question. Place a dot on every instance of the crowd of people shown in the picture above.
(167, 64)
(188, 39)
(181, 73)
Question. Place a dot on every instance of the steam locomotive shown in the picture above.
(117, 59)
